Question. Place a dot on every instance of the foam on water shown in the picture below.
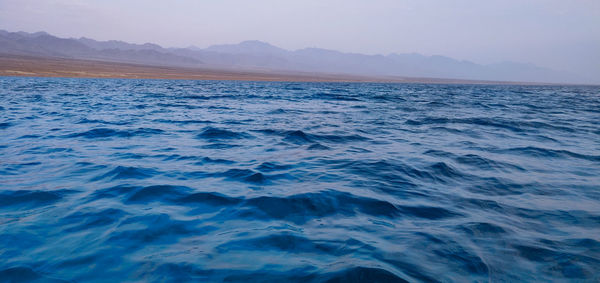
(153, 180)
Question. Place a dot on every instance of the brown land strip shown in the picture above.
(28, 66)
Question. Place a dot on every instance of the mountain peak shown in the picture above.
(34, 34)
(257, 42)
(247, 47)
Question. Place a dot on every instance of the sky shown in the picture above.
(559, 34)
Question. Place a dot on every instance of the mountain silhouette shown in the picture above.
(258, 55)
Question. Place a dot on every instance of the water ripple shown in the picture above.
(194, 181)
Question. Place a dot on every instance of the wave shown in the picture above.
(182, 122)
(549, 153)
(212, 133)
(307, 207)
(5, 125)
(187, 181)
(125, 172)
(26, 274)
(27, 199)
(110, 133)
(103, 122)
(514, 126)
(300, 137)
(476, 161)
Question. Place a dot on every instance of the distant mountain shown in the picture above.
(45, 45)
(257, 55)
(115, 44)
(253, 47)
(39, 43)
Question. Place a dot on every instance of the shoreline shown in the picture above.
(28, 66)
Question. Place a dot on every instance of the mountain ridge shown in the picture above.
(255, 54)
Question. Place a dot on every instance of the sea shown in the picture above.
(127, 180)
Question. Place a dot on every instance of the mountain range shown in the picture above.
(257, 55)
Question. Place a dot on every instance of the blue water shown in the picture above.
(153, 180)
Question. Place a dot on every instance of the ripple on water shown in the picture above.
(27, 199)
(126, 172)
(210, 181)
(211, 133)
(108, 133)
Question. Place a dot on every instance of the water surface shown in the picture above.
(153, 180)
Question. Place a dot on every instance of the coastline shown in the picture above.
(29, 66)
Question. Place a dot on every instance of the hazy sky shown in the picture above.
(561, 34)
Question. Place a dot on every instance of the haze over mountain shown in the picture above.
(257, 55)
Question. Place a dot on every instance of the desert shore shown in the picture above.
(28, 66)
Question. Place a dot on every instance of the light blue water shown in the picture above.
(152, 180)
